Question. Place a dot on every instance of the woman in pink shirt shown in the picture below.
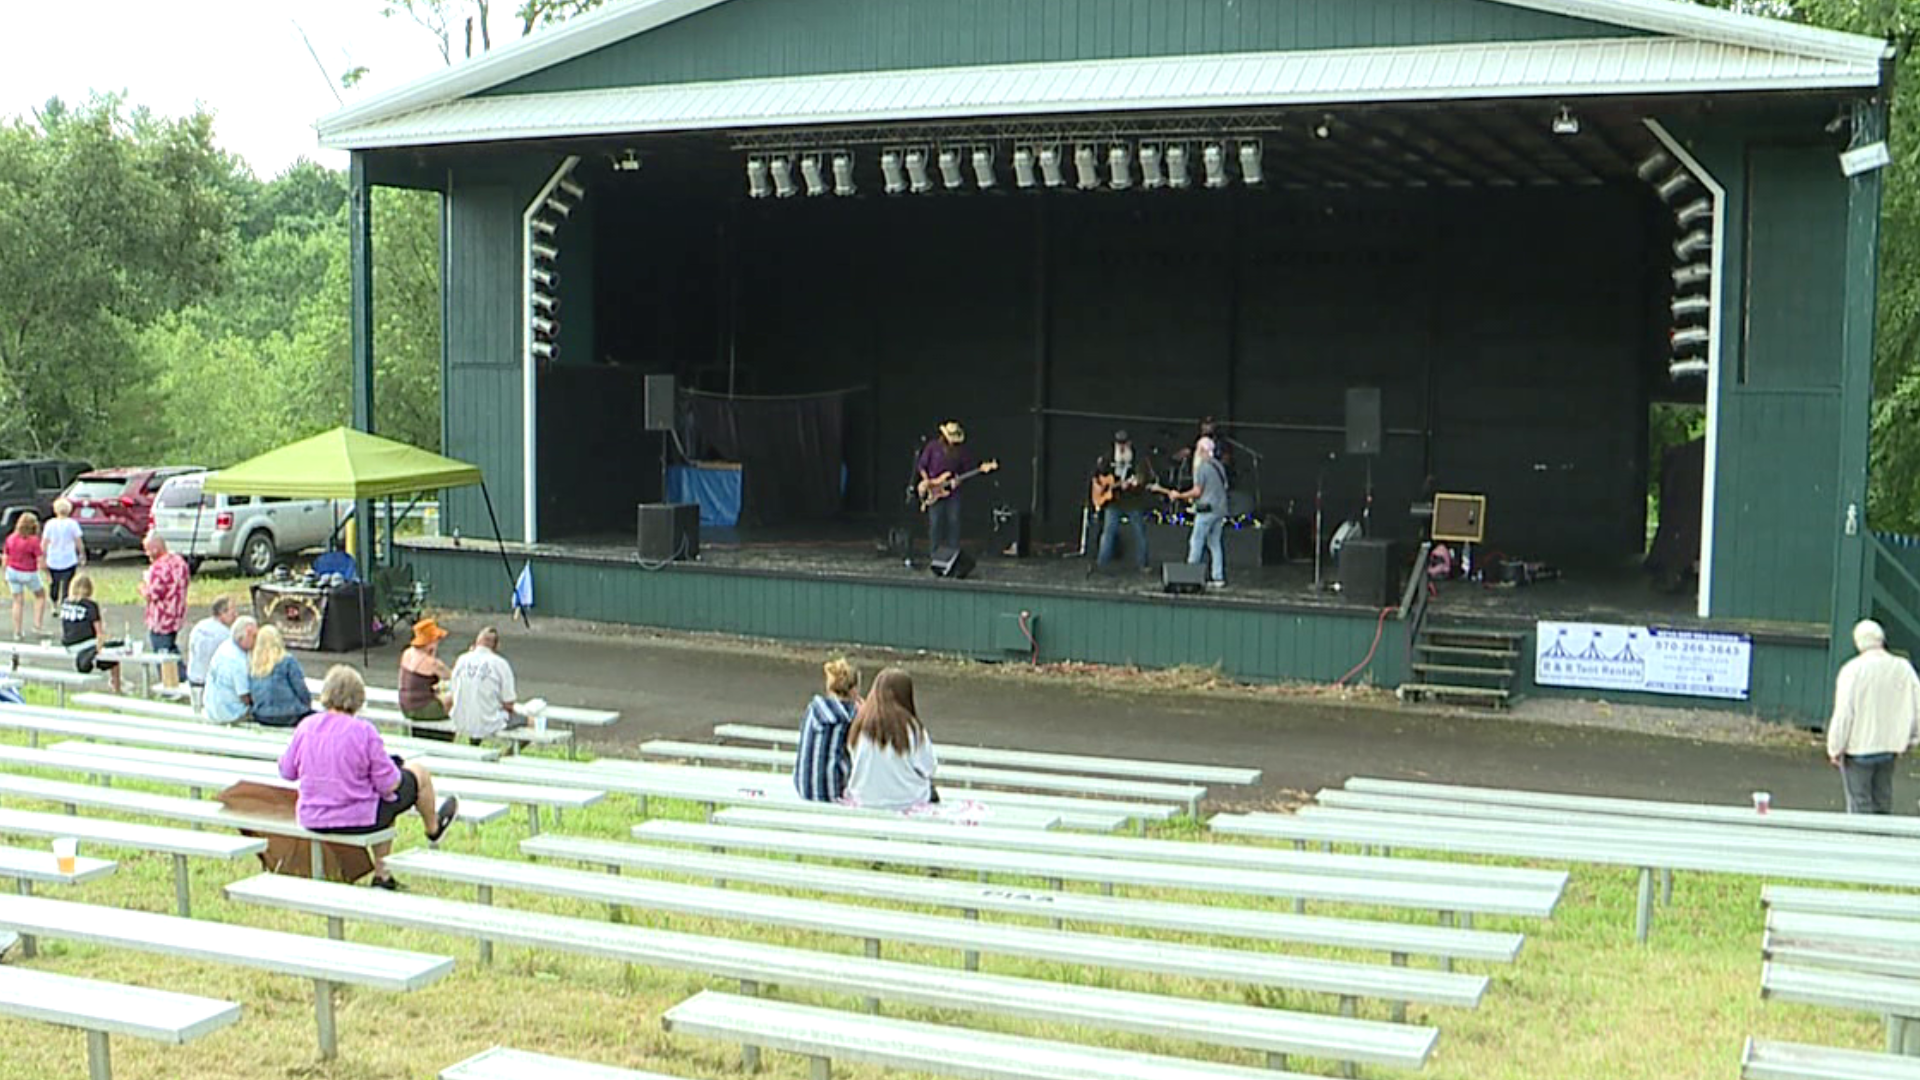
(348, 783)
(23, 572)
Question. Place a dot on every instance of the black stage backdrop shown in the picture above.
(790, 450)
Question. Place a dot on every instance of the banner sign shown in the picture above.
(1643, 659)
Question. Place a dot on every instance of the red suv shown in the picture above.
(114, 506)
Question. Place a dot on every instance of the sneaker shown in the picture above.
(1216, 584)
(443, 817)
(388, 883)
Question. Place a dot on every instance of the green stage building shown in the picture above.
(1394, 248)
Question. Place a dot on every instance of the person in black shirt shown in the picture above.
(1120, 491)
(83, 631)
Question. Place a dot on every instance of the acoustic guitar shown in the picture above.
(1107, 487)
(936, 488)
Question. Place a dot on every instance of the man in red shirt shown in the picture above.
(165, 590)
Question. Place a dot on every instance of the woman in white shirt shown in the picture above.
(893, 758)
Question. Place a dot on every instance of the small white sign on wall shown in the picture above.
(1643, 659)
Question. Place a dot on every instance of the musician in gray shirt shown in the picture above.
(1209, 498)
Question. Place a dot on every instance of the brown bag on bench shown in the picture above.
(286, 854)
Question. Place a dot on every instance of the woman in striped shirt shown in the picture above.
(821, 766)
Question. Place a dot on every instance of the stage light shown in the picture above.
(545, 350)
(564, 209)
(543, 227)
(843, 174)
(757, 185)
(951, 174)
(890, 167)
(1693, 244)
(783, 185)
(1251, 173)
(1214, 158)
(544, 327)
(1086, 167)
(1023, 167)
(1151, 177)
(1050, 166)
(1672, 186)
(1177, 175)
(917, 178)
(626, 162)
(1566, 123)
(1686, 277)
(815, 177)
(1694, 213)
(1119, 169)
(983, 167)
(1689, 337)
(1653, 165)
(1324, 129)
(544, 251)
(1689, 307)
(572, 190)
(1682, 369)
(545, 278)
(546, 303)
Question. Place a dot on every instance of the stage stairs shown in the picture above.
(1473, 666)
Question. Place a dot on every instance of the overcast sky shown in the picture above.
(242, 59)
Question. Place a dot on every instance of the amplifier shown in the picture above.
(1370, 571)
(669, 531)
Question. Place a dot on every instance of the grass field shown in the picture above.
(116, 581)
(1582, 1001)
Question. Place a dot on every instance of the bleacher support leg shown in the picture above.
(1446, 962)
(316, 862)
(182, 897)
(323, 1018)
(1399, 959)
(820, 1068)
(971, 959)
(1643, 906)
(336, 928)
(614, 911)
(484, 894)
(873, 1004)
(29, 945)
(99, 1056)
(533, 820)
(1666, 887)
(1276, 1060)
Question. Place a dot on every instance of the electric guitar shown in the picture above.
(933, 489)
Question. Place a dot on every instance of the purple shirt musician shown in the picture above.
(946, 454)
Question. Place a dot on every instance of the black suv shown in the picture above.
(33, 484)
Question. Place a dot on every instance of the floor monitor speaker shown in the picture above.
(1368, 570)
(1179, 577)
(669, 531)
(952, 562)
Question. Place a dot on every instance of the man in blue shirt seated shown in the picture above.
(229, 689)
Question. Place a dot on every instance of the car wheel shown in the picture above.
(257, 555)
(96, 554)
(193, 564)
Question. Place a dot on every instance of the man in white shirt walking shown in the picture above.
(1876, 718)
(483, 690)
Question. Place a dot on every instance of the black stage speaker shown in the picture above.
(659, 406)
(1180, 577)
(669, 531)
(952, 562)
(1368, 571)
(1363, 420)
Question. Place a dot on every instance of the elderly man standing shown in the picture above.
(208, 635)
(1876, 717)
(164, 588)
(229, 684)
(483, 690)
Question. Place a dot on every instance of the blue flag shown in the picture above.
(523, 588)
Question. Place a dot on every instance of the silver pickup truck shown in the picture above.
(252, 530)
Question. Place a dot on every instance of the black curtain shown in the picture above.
(791, 451)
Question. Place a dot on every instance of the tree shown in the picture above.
(444, 19)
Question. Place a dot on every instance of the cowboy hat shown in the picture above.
(426, 632)
(953, 432)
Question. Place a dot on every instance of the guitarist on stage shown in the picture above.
(944, 464)
(1120, 491)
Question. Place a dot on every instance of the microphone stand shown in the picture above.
(1255, 456)
(1319, 498)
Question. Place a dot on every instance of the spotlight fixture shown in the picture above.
(1023, 167)
(1050, 166)
(1683, 369)
(543, 226)
(545, 278)
(891, 168)
(983, 167)
(1689, 337)
(1691, 307)
(917, 178)
(843, 174)
(1694, 213)
(1686, 277)
(558, 206)
(1653, 165)
(951, 174)
(1670, 188)
(1324, 129)
(573, 190)
(626, 162)
(546, 303)
(545, 350)
(1566, 123)
(1177, 174)
(1151, 177)
(1119, 168)
(1692, 245)
(1251, 173)
(544, 327)
(1214, 158)
(757, 185)
(782, 169)
(1086, 167)
(813, 174)
(544, 251)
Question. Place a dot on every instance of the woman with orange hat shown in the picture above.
(421, 673)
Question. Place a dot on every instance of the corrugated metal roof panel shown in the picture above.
(1429, 73)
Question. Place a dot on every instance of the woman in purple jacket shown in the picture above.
(348, 783)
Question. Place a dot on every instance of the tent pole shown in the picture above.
(505, 563)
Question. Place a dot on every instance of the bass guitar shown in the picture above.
(933, 489)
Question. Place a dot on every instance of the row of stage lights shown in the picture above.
(921, 170)
(1691, 305)
(543, 242)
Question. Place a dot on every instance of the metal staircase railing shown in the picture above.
(1893, 594)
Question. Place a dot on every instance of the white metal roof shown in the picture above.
(622, 19)
(1345, 76)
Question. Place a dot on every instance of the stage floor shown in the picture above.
(1617, 594)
